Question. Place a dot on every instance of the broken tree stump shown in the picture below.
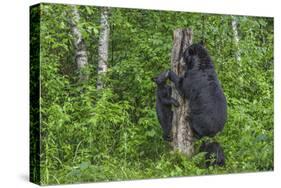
(181, 131)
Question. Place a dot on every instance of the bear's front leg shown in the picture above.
(175, 102)
(177, 81)
(169, 101)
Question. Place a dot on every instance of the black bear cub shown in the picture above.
(164, 103)
(214, 154)
(201, 87)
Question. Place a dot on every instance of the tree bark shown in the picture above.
(103, 46)
(236, 38)
(81, 57)
(182, 133)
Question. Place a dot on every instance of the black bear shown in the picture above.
(201, 87)
(164, 103)
(214, 154)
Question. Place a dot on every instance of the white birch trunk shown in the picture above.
(236, 38)
(181, 130)
(103, 46)
(81, 57)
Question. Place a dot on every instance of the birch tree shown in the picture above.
(236, 38)
(81, 58)
(103, 46)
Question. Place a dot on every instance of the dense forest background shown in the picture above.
(97, 100)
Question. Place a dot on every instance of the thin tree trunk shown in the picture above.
(103, 46)
(236, 38)
(182, 133)
(81, 57)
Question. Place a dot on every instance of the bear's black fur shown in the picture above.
(214, 154)
(201, 87)
(164, 103)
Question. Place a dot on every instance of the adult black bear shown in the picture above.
(214, 154)
(164, 103)
(201, 87)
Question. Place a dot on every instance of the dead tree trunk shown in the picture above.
(182, 133)
(236, 38)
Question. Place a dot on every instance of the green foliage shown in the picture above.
(113, 133)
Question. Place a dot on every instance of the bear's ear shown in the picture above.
(203, 43)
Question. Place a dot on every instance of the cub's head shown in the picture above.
(161, 79)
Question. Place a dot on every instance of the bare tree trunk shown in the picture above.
(236, 38)
(182, 133)
(81, 58)
(103, 46)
